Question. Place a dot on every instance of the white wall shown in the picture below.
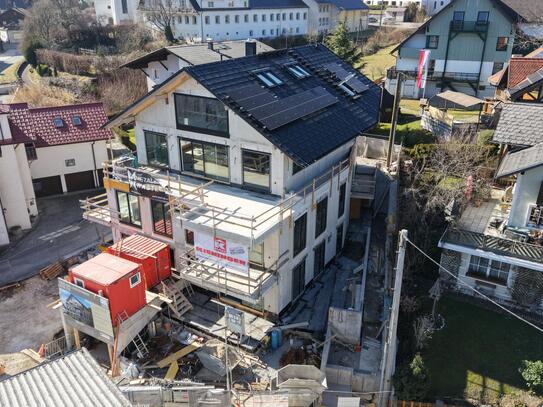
(525, 194)
(52, 160)
(4, 237)
(158, 72)
(102, 9)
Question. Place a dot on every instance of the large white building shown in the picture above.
(223, 20)
(245, 170)
(47, 151)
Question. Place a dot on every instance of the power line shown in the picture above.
(474, 289)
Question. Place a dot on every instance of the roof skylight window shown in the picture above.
(269, 79)
(58, 122)
(298, 71)
(76, 120)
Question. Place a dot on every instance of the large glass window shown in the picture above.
(201, 114)
(209, 160)
(156, 146)
(256, 170)
(129, 208)
(162, 222)
(256, 255)
(432, 41)
(298, 279)
(493, 270)
(300, 234)
(501, 43)
(320, 222)
(341, 208)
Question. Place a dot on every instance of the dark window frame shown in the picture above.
(483, 270)
(296, 168)
(483, 21)
(124, 6)
(165, 219)
(130, 215)
(504, 46)
(298, 269)
(255, 187)
(342, 199)
(202, 130)
(30, 150)
(320, 224)
(156, 163)
(203, 144)
(429, 41)
(319, 263)
(497, 67)
(189, 237)
(299, 237)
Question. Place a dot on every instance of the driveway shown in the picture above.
(60, 232)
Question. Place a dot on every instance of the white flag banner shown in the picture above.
(223, 252)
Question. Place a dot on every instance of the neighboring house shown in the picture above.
(468, 42)
(497, 246)
(12, 18)
(161, 64)
(75, 379)
(393, 3)
(325, 15)
(521, 80)
(259, 150)
(396, 14)
(221, 20)
(432, 7)
(47, 151)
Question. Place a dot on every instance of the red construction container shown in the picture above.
(117, 279)
(152, 255)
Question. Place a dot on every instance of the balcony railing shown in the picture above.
(535, 218)
(436, 75)
(96, 209)
(469, 26)
(493, 244)
(248, 286)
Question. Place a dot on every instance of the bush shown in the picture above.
(43, 70)
(532, 373)
(411, 381)
(413, 137)
(28, 49)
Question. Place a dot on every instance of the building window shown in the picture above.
(256, 170)
(501, 44)
(217, 19)
(284, 16)
(263, 33)
(497, 67)
(227, 19)
(432, 41)
(207, 159)
(296, 168)
(255, 18)
(305, 16)
(180, 19)
(269, 79)
(291, 16)
(300, 235)
(210, 4)
(206, 19)
(58, 122)
(486, 269)
(70, 162)
(135, 280)
(129, 208)
(250, 33)
(297, 16)
(78, 282)
(341, 207)
(298, 279)
(458, 16)
(256, 256)
(298, 71)
(236, 19)
(320, 219)
(272, 17)
(201, 114)
(246, 18)
(194, 20)
(30, 150)
(156, 147)
(482, 17)
(263, 17)
(278, 16)
(187, 20)
(319, 255)
(162, 221)
(189, 237)
(76, 120)
(124, 5)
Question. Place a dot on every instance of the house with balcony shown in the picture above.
(325, 15)
(497, 245)
(244, 168)
(468, 42)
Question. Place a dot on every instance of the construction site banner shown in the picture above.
(222, 252)
(86, 308)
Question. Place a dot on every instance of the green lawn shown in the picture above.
(478, 353)
(375, 66)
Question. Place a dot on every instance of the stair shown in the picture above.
(180, 305)
(140, 346)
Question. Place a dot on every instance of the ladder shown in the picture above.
(180, 305)
(141, 348)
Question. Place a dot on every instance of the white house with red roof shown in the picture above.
(47, 151)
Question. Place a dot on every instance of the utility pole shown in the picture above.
(381, 16)
(389, 355)
(395, 113)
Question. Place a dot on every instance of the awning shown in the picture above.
(459, 99)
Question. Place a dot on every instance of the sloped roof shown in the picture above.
(37, 124)
(534, 79)
(197, 54)
(522, 160)
(346, 4)
(530, 11)
(520, 124)
(304, 140)
(459, 98)
(256, 4)
(73, 380)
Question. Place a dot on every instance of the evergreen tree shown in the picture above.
(411, 380)
(340, 43)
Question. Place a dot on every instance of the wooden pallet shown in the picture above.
(52, 271)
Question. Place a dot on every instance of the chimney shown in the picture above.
(210, 44)
(250, 47)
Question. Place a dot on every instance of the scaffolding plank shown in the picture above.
(178, 355)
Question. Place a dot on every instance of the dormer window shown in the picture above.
(58, 122)
(269, 79)
(298, 71)
(76, 120)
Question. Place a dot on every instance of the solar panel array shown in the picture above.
(274, 113)
(343, 75)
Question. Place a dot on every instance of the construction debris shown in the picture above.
(56, 269)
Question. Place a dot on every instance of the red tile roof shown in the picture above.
(520, 68)
(37, 124)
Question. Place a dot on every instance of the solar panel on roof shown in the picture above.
(355, 84)
(284, 111)
(252, 96)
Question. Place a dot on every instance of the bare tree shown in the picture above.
(161, 13)
(424, 329)
(42, 22)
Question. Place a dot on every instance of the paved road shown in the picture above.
(60, 232)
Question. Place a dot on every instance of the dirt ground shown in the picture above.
(25, 320)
